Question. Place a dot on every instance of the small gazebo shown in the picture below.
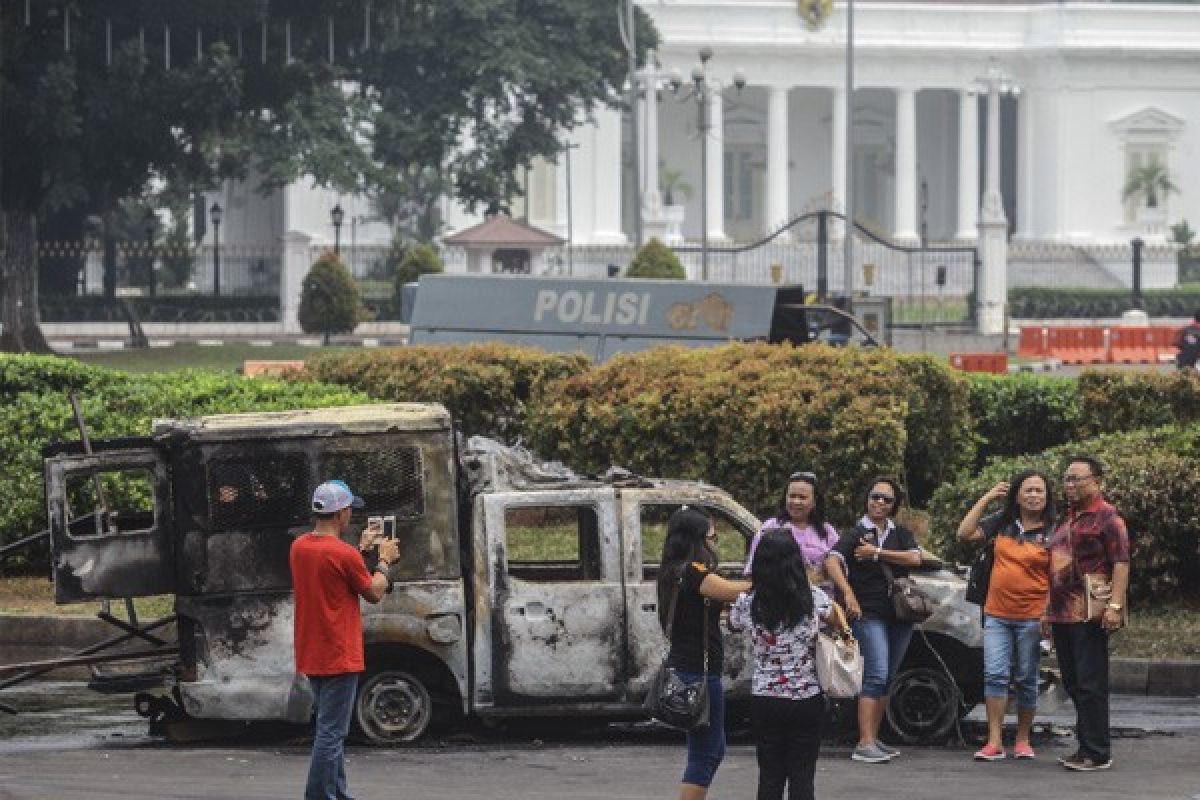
(503, 244)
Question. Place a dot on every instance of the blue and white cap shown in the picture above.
(333, 496)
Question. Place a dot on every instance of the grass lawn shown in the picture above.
(35, 595)
(225, 358)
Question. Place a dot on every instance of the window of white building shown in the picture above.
(1147, 137)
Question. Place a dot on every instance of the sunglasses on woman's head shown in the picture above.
(881, 497)
(803, 476)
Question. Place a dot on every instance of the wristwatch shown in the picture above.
(382, 567)
(1115, 606)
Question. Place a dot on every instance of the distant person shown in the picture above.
(802, 514)
(329, 576)
(1090, 540)
(856, 566)
(1019, 535)
(787, 707)
(688, 574)
(1188, 342)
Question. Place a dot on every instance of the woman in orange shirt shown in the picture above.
(1016, 599)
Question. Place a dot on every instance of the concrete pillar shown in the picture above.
(651, 196)
(968, 166)
(777, 159)
(297, 260)
(606, 177)
(837, 157)
(906, 166)
(1025, 155)
(716, 167)
(992, 292)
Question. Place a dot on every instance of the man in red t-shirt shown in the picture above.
(328, 577)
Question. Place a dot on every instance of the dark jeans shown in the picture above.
(333, 699)
(1083, 659)
(706, 744)
(787, 740)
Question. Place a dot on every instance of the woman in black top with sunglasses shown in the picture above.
(855, 565)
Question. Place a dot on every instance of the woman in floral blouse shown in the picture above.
(787, 709)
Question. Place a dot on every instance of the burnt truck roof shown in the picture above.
(363, 419)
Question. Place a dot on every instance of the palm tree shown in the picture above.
(1149, 182)
(672, 181)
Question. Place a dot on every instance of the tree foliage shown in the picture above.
(474, 89)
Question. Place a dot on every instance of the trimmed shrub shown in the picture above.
(1022, 413)
(486, 387)
(1042, 303)
(941, 439)
(1151, 478)
(114, 404)
(656, 260)
(329, 299)
(420, 259)
(742, 416)
(1113, 401)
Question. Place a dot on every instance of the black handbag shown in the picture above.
(671, 699)
(980, 576)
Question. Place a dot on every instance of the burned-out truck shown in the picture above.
(522, 588)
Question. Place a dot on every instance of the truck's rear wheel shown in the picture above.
(923, 706)
(392, 706)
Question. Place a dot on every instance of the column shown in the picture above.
(297, 259)
(650, 197)
(968, 165)
(1025, 176)
(606, 178)
(776, 204)
(992, 293)
(715, 190)
(838, 154)
(905, 217)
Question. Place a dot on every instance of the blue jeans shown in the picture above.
(883, 645)
(333, 698)
(706, 745)
(1001, 638)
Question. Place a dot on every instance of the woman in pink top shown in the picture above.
(802, 513)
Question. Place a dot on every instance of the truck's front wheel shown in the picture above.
(392, 706)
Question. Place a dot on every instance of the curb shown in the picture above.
(39, 638)
(1160, 678)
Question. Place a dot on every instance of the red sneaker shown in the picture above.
(989, 753)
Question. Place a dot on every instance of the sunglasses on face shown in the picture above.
(880, 497)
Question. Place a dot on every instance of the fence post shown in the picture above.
(1137, 245)
(296, 261)
(823, 255)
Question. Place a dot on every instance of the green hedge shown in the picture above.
(744, 416)
(1040, 303)
(34, 412)
(486, 387)
(1112, 401)
(1152, 479)
(1022, 413)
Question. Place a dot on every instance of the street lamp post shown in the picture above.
(338, 216)
(701, 91)
(150, 226)
(215, 213)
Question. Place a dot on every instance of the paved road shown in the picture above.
(70, 749)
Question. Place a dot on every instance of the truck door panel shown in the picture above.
(644, 515)
(111, 542)
(558, 605)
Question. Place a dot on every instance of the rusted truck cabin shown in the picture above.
(522, 588)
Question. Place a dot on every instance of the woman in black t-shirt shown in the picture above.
(689, 563)
(856, 566)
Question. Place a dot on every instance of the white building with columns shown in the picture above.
(1104, 88)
